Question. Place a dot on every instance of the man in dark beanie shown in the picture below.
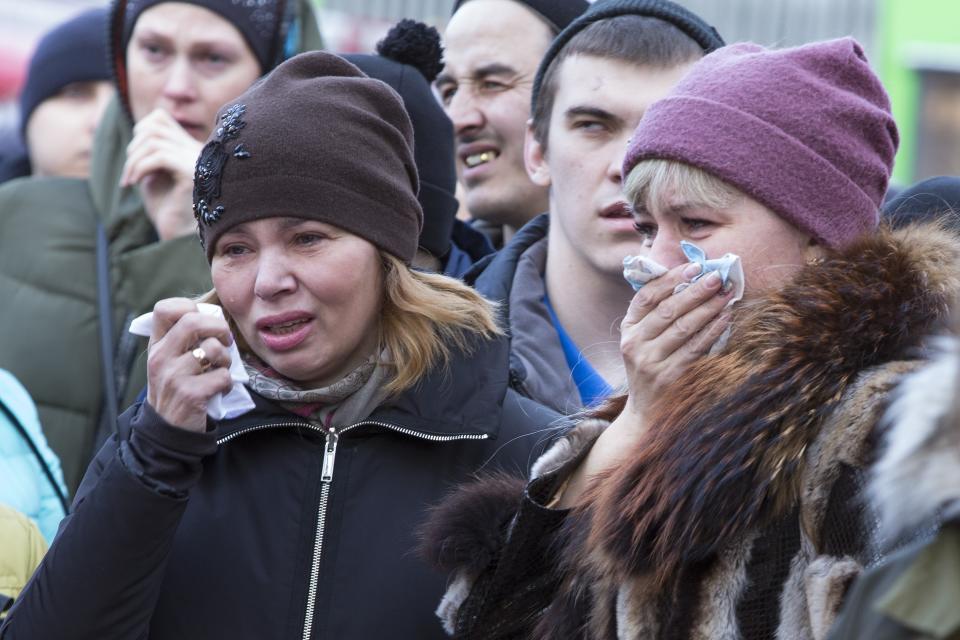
(409, 59)
(492, 48)
(560, 280)
(65, 94)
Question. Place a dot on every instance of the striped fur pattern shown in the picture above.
(919, 471)
(727, 454)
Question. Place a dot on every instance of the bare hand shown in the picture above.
(161, 159)
(664, 333)
(178, 385)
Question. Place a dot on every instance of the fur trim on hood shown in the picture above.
(919, 471)
(728, 450)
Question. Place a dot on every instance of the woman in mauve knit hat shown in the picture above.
(721, 495)
(374, 389)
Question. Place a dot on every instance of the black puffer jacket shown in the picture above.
(251, 531)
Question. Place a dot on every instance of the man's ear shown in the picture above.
(535, 158)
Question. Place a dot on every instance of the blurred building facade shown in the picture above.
(769, 22)
(919, 61)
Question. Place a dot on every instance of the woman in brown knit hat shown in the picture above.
(375, 388)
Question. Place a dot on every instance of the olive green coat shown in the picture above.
(48, 280)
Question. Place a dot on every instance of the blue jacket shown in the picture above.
(23, 484)
(467, 247)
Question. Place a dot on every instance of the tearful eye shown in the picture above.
(234, 250)
(307, 239)
(695, 224)
(645, 229)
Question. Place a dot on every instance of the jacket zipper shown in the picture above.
(326, 478)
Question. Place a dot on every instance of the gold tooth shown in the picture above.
(482, 158)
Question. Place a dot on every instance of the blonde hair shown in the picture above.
(424, 317)
(651, 180)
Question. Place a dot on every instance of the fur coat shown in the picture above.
(915, 487)
(741, 514)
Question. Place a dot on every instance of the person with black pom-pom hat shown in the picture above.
(410, 57)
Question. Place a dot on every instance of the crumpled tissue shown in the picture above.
(222, 406)
(639, 270)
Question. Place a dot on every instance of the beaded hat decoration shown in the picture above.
(210, 164)
(356, 172)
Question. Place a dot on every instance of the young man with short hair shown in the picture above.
(560, 278)
(492, 49)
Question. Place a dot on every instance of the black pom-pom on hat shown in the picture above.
(416, 44)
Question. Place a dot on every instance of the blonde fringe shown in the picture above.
(650, 181)
(424, 317)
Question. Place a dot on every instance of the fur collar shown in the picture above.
(919, 471)
(728, 451)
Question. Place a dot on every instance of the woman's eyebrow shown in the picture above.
(683, 208)
(291, 223)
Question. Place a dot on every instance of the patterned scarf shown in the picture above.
(346, 401)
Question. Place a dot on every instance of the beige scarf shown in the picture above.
(347, 401)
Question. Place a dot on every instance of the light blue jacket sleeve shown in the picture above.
(47, 511)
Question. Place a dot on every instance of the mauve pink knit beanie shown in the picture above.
(805, 131)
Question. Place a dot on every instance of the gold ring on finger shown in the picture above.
(201, 357)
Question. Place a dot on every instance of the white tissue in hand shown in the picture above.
(729, 267)
(222, 406)
(639, 270)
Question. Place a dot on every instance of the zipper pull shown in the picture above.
(329, 455)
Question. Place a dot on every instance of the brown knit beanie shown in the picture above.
(315, 139)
